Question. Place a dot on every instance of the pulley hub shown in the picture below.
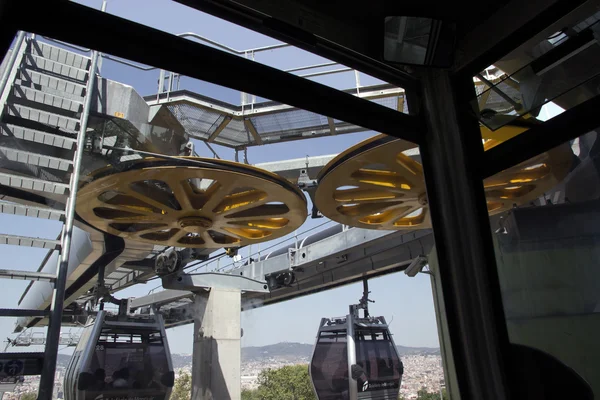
(195, 224)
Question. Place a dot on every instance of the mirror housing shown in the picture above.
(419, 41)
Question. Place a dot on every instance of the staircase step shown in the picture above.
(20, 312)
(23, 92)
(44, 117)
(56, 68)
(47, 82)
(40, 160)
(27, 183)
(7, 207)
(60, 55)
(26, 275)
(15, 240)
(33, 135)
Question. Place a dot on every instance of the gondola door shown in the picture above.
(328, 369)
(379, 369)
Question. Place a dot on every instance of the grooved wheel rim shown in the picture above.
(374, 185)
(222, 205)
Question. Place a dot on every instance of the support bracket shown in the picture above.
(309, 186)
(207, 280)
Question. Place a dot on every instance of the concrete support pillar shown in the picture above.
(217, 352)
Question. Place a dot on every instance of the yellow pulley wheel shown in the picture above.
(377, 185)
(191, 202)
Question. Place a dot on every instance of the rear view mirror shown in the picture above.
(419, 41)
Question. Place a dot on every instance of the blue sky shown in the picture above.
(407, 302)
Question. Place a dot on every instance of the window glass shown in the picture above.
(194, 25)
(547, 74)
(329, 367)
(379, 360)
(124, 362)
(547, 253)
(41, 120)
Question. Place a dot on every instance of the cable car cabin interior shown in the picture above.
(121, 359)
(375, 369)
(516, 294)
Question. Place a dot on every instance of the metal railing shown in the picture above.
(167, 79)
(250, 54)
(231, 49)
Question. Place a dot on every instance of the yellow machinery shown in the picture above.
(379, 183)
(191, 202)
(207, 203)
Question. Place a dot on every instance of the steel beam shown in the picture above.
(250, 128)
(208, 280)
(483, 98)
(368, 93)
(291, 169)
(331, 124)
(192, 99)
(219, 129)
(378, 259)
(400, 104)
(12, 312)
(131, 278)
(12, 67)
(452, 151)
(335, 261)
(159, 298)
(389, 253)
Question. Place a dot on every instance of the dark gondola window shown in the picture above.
(329, 366)
(376, 355)
(127, 362)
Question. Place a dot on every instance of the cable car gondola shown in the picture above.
(121, 357)
(355, 358)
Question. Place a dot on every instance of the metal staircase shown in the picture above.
(44, 105)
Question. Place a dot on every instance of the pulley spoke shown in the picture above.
(148, 200)
(128, 209)
(244, 205)
(182, 194)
